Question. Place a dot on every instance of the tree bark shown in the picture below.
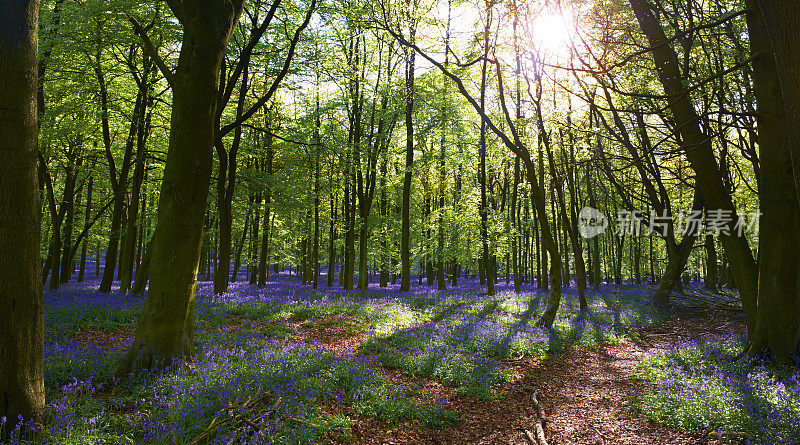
(165, 331)
(22, 316)
(777, 328)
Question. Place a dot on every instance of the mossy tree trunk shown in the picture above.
(22, 316)
(165, 331)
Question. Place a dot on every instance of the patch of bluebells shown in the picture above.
(230, 364)
(16, 435)
(463, 339)
(461, 336)
(704, 385)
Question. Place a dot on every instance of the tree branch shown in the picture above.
(277, 81)
(152, 52)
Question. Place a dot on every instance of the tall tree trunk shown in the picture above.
(315, 251)
(332, 241)
(440, 254)
(166, 328)
(263, 265)
(253, 258)
(349, 210)
(86, 223)
(515, 247)
(699, 151)
(483, 210)
(128, 250)
(52, 263)
(119, 181)
(22, 317)
(777, 326)
(69, 214)
(384, 274)
(237, 262)
(405, 238)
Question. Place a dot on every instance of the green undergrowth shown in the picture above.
(704, 385)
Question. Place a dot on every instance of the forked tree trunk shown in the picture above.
(166, 328)
(22, 316)
(677, 256)
(699, 151)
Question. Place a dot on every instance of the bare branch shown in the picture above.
(151, 51)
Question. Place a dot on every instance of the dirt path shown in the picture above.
(587, 394)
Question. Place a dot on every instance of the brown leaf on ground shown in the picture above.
(104, 339)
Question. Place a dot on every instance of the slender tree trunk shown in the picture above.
(119, 180)
(86, 223)
(127, 252)
(69, 214)
(142, 272)
(711, 263)
(483, 210)
(384, 274)
(332, 241)
(263, 265)
(405, 241)
(237, 262)
(253, 258)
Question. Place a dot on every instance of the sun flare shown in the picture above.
(553, 32)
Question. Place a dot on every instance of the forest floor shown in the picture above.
(587, 394)
(385, 367)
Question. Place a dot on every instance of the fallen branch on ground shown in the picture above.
(239, 415)
(541, 418)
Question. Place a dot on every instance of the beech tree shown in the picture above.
(165, 330)
(22, 317)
